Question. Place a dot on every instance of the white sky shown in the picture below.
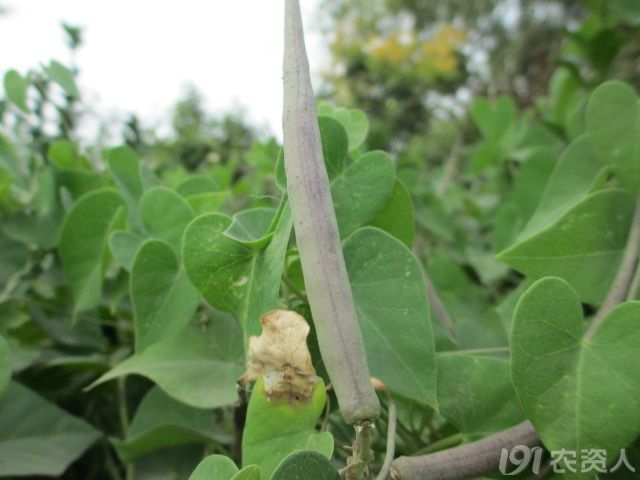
(139, 55)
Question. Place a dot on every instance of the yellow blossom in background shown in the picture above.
(391, 50)
(439, 53)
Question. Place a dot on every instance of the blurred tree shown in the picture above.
(198, 139)
(396, 59)
(198, 136)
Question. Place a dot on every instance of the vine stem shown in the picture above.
(123, 413)
(621, 283)
(439, 310)
(468, 461)
(634, 289)
(325, 273)
(392, 421)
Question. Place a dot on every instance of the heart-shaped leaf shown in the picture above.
(580, 393)
(124, 245)
(199, 366)
(572, 178)
(335, 146)
(124, 166)
(305, 464)
(613, 124)
(354, 122)
(164, 300)
(391, 302)
(251, 227)
(584, 246)
(197, 184)
(165, 215)
(397, 217)
(362, 190)
(83, 244)
(232, 276)
(475, 393)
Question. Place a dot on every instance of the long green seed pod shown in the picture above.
(316, 228)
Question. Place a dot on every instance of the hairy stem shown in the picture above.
(358, 463)
(620, 287)
(325, 274)
(473, 460)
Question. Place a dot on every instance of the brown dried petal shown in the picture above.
(280, 354)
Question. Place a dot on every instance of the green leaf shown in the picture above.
(64, 155)
(215, 467)
(397, 217)
(251, 472)
(251, 227)
(493, 119)
(168, 464)
(124, 246)
(14, 256)
(124, 165)
(579, 393)
(531, 179)
(278, 426)
(64, 77)
(390, 297)
(475, 393)
(207, 202)
(584, 246)
(571, 180)
(37, 437)
(199, 366)
(160, 422)
(362, 190)
(334, 145)
(5, 365)
(15, 87)
(80, 182)
(83, 244)
(165, 215)
(625, 11)
(354, 122)
(164, 301)
(234, 277)
(197, 184)
(305, 465)
(613, 124)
